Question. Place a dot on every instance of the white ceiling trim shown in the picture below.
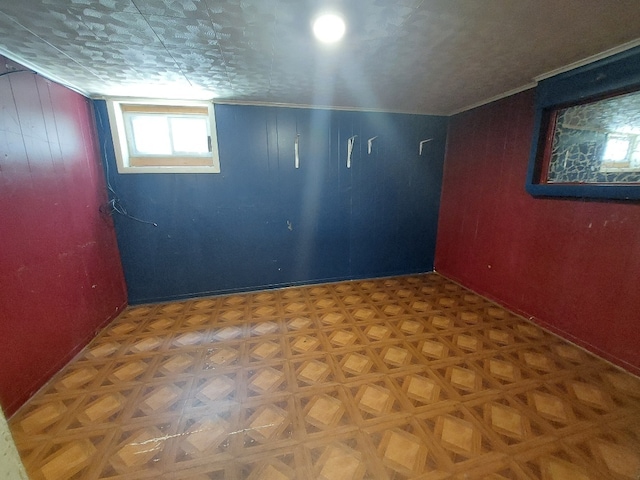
(552, 73)
(323, 107)
(495, 98)
(588, 60)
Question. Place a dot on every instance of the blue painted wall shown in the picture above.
(261, 223)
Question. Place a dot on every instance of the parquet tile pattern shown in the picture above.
(398, 378)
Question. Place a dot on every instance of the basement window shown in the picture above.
(161, 136)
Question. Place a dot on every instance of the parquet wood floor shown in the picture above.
(400, 378)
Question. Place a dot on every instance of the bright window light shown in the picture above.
(616, 149)
(158, 134)
(150, 135)
(329, 28)
(190, 135)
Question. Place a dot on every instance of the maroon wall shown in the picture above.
(572, 266)
(60, 273)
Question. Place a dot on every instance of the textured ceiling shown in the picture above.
(426, 56)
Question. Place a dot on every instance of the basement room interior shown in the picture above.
(320, 239)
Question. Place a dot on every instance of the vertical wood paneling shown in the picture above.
(60, 272)
(395, 194)
(263, 223)
(569, 264)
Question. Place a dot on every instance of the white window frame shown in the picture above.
(176, 163)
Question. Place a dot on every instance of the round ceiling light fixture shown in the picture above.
(329, 28)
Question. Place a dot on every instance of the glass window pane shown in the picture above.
(189, 135)
(151, 134)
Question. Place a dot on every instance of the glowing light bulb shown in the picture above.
(329, 28)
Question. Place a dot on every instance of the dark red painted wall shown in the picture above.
(570, 265)
(60, 272)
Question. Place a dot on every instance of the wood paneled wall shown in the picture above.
(263, 223)
(60, 273)
(571, 265)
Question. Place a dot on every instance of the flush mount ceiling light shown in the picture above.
(329, 28)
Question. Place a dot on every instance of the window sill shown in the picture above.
(169, 169)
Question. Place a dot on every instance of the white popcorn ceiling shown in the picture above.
(423, 56)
